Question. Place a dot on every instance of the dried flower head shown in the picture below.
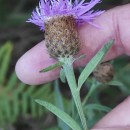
(104, 72)
(59, 19)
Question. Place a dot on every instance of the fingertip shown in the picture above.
(32, 62)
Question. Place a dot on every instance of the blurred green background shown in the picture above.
(18, 111)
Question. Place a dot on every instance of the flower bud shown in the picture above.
(104, 72)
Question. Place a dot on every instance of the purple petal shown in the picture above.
(50, 8)
(88, 6)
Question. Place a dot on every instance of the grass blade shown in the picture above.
(97, 107)
(4, 61)
(61, 114)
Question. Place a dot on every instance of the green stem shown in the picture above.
(68, 69)
(93, 87)
(87, 97)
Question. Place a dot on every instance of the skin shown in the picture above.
(114, 24)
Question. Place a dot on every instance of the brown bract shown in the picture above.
(61, 37)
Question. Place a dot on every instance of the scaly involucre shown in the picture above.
(48, 9)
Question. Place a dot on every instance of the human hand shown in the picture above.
(114, 24)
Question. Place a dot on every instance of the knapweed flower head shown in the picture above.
(59, 19)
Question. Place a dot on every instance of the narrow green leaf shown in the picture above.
(6, 108)
(33, 108)
(93, 87)
(60, 105)
(58, 97)
(43, 89)
(5, 59)
(15, 106)
(5, 48)
(11, 82)
(80, 57)
(41, 111)
(120, 85)
(61, 114)
(98, 107)
(62, 75)
(20, 88)
(93, 63)
(30, 90)
(54, 66)
(24, 103)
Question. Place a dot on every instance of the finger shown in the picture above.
(112, 26)
(29, 65)
(118, 118)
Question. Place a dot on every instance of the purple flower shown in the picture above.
(48, 9)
